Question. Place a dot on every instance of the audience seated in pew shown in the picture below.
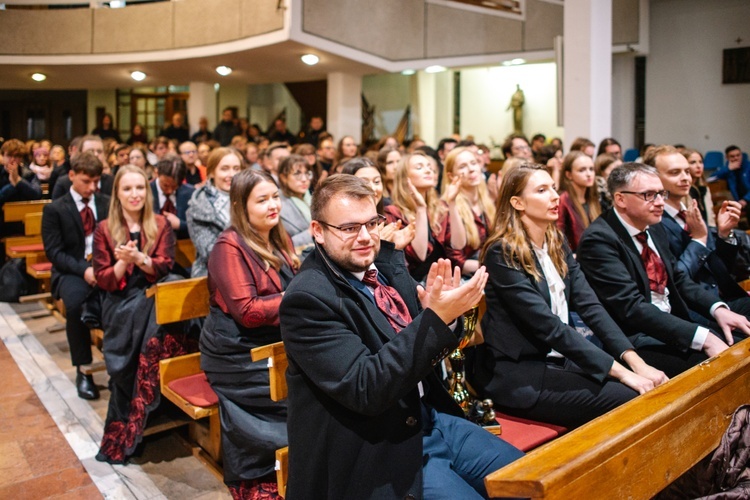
(705, 254)
(295, 177)
(533, 363)
(171, 195)
(208, 212)
(626, 259)
(470, 209)
(68, 227)
(415, 201)
(133, 249)
(365, 169)
(700, 191)
(250, 265)
(579, 197)
(367, 415)
(88, 143)
(16, 183)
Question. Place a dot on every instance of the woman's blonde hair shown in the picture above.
(509, 230)
(118, 228)
(463, 205)
(242, 186)
(591, 195)
(402, 197)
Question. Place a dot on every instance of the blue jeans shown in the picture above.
(458, 455)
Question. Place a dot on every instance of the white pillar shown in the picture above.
(202, 102)
(587, 80)
(432, 113)
(344, 109)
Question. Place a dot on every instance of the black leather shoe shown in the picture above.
(86, 387)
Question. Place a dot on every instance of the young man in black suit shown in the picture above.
(368, 417)
(626, 259)
(171, 194)
(68, 233)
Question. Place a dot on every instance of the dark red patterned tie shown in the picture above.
(388, 301)
(168, 207)
(87, 216)
(683, 216)
(657, 273)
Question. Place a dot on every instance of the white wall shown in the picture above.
(623, 99)
(486, 93)
(390, 94)
(685, 99)
(265, 101)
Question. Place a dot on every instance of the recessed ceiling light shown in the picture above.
(38, 77)
(518, 60)
(435, 69)
(408, 72)
(138, 76)
(224, 70)
(117, 4)
(310, 59)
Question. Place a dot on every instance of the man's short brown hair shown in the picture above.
(87, 163)
(346, 185)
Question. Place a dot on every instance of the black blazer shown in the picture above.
(615, 271)
(62, 234)
(63, 183)
(183, 194)
(520, 329)
(355, 418)
(706, 265)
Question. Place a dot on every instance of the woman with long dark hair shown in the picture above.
(250, 266)
(579, 201)
(534, 363)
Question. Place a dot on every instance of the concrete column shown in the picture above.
(202, 102)
(587, 68)
(432, 112)
(344, 109)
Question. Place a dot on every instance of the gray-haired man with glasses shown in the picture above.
(626, 258)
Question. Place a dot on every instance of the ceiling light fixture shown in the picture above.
(435, 69)
(310, 59)
(38, 77)
(224, 70)
(138, 76)
(408, 72)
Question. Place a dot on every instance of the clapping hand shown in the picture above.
(444, 293)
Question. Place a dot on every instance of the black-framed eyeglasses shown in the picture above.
(353, 229)
(650, 196)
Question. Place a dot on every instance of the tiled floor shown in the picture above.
(35, 459)
(38, 402)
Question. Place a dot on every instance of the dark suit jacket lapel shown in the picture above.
(75, 215)
(627, 240)
(155, 192)
(102, 207)
(675, 229)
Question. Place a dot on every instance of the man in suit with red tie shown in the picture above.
(68, 232)
(626, 258)
(368, 417)
(171, 194)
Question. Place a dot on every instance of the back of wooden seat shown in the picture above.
(15, 211)
(180, 300)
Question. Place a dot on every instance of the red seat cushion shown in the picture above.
(36, 247)
(195, 389)
(41, 267)
(527, 434)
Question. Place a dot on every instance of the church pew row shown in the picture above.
(181, 379)
(638, 449)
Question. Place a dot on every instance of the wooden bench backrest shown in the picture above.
(184, 253)
(638, 449)
(277, 365)
(32, 224)
(180, 300)
(15, 211)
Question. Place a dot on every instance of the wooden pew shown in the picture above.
(15, 211)
(638, 449)
(19, 247)
(184, 253)
(181, 378)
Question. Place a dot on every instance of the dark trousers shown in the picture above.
(458, 455)
(669, 359)
(73, 291)
(570, 398)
